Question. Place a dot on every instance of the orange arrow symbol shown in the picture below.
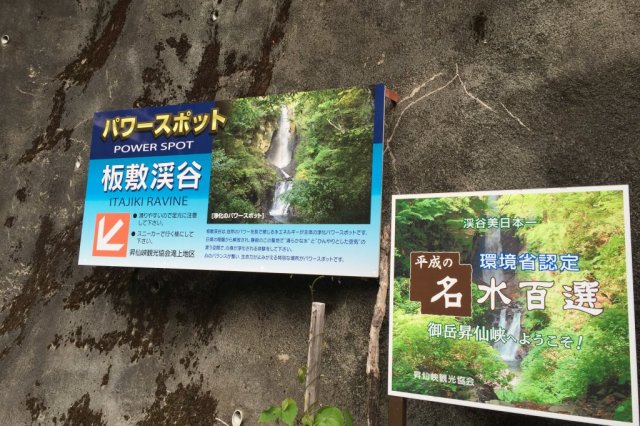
(110, 234)
(102, 239)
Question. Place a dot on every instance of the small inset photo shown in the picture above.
(301, 158)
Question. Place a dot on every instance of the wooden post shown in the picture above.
(373, 356)
(397, 411)
(316, 331)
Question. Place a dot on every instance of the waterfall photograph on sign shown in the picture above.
(548, 279)
(301, 158)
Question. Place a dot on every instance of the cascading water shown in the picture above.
(503, 319)
(509, 350)
(279, 208)
(511, 324)
(280, 155)
(493, 244)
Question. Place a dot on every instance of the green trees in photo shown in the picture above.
(240, 175)
(431, 224)
(412, 351)
(435, 224)
(594, 378)
(332, 177)
(590, 224)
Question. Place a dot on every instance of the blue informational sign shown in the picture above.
(284, 183)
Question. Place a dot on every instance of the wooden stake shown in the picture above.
(397, 411)
(316, 331)
(373, 357)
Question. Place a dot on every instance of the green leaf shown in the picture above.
(307, 420)
(273, 414)
(329, 416)
(289, 411)
(302, 374)
(348, 420)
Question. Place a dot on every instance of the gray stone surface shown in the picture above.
(497, 95)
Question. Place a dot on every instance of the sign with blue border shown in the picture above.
(284, 183)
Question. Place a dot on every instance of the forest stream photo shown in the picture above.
(295, 158)
(548, 328)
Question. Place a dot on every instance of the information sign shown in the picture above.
(518, 301)
(284, 183)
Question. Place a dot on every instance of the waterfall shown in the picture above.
(493, 244)
(280, 208)
(280, 155)
(511, 325)
(509, 350)
(503, 319)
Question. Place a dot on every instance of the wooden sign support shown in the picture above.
(397, 411)
(316, 332)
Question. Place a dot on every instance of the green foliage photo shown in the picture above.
(332, 131)
(591, 379)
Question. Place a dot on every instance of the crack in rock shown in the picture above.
(415, 91)
(517, 119)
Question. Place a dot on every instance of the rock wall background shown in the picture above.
(496, 95)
